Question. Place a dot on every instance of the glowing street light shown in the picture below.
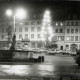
(19, 13)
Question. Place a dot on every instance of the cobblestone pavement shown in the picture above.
(53, 66)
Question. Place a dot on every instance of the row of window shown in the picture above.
(72, 23)
(73, 38)
(23, 23)
(59, 31)
(72, 30)
(68, 38)
(68, 30)
(26, 36)
(21, 29)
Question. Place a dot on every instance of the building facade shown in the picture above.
(65, 33)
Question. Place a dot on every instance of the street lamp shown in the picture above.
(18, 13)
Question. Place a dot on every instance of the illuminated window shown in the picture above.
(68, 38)
(56, 24)
(61, 24)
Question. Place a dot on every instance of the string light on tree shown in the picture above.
(47, 32)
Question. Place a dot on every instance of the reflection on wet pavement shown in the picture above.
(57, 66)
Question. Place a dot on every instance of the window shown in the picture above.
(61, 38)
(2, 37)
(32, 35)
(76, 30)
(32, 29)
(76, 38)
(72, 38)
(38, 45)
(2, 30)
(68, 38)
(20, 36)
(67, 46)
(56, 24)
(32, 23)
(61, 24)
(26, 29)
(26, 35)
(38, 28)
(72, 30)
(61, 30)
(68, 23)
(76, 23)
(79, 38)
(54, 38)
(38, 22)
(72, 23)
(56, 30)
(68, 30)
(26, 23)
(33, 45)
(20, 29)
(38, 35)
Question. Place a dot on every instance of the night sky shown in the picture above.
(60, 10)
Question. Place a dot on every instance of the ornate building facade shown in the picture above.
(65, 33)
